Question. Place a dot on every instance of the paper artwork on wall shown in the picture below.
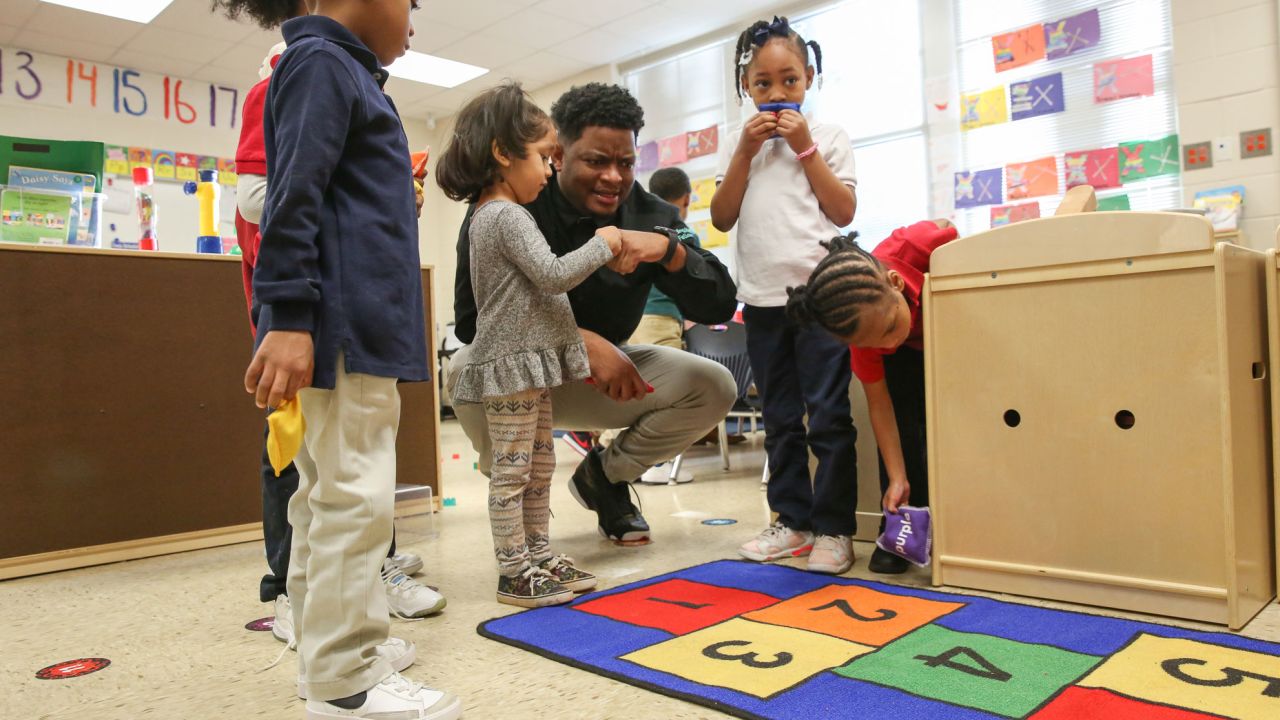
(1115, 202)
(164, 163)
(647, 157)
(1071, 35)
(983, 108)
(709, 236)
(1099, 168)
(1037, 96)
(672, 151)
(1032, 179)
(982, 187)
(1018, 48)
(1009, 214)
(703, 142)
(1119, 79)
(700, 197)
(1142, 159)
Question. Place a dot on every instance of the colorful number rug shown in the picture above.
(768, 641)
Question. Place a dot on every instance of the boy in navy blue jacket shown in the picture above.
(339, 314)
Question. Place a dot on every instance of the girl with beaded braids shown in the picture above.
(789, 182)
(871, 301)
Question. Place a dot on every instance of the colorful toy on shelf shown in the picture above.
(146, 204)
(206, 191)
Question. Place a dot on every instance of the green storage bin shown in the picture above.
(66, 155)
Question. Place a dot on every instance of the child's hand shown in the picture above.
(613, 236)
(281, 367)
(419, 197)
(898, 494)
(795, 130)
(757, 130)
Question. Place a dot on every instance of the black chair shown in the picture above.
(727, 345)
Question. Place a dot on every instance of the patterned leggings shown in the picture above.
(520, 480)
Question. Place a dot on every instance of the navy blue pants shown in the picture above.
(277, 534)
(904, 376)
(801, 371)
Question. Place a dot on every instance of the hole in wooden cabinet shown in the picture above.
(1012, 418)
(1124, 420)
(1259, 370)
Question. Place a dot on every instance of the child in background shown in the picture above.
(526, 339)
(405, 597)
(871, 301)
(784, 193)
(340, 322)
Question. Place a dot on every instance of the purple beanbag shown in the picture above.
(907, 534)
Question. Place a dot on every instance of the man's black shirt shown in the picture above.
(607, 303)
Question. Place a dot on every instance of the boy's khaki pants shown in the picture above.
(342, 518)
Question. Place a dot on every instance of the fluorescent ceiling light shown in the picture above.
(432, 70)
(139, 11)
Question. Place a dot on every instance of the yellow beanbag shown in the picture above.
(285, 427)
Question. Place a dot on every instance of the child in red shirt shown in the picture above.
(871, 301)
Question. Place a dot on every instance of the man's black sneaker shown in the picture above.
(580, 440)
(886, 563)
(619, 520)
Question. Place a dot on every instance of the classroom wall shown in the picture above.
(1227, 80)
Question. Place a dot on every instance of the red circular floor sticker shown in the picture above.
(261, 624)
(72, 668)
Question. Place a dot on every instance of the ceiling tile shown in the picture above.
(470, 16)
(175, 67)
(534, 27)
(64, 46)
(546, 67)
(188, 15)
(657, 25)
(486, 51)
(600, 47)
(429, 37)
(244, 59)
(590, 13)
(17, 12)
(58, 21)
(163, 42)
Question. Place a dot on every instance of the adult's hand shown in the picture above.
(612, 371)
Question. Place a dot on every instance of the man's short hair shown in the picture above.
(595, 104)
(670, 184)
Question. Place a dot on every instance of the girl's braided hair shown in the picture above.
(845, 282)
(758, 35)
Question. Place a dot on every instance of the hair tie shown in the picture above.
(780, 27)
(745, 59)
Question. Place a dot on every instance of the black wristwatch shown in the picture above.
(673, 241)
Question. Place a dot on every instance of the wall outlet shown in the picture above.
(1224, 148)
(1197, 156)
(1255, 143)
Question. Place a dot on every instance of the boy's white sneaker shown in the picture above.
(777, 541)
(406, 597)
(395, 698)
(282, 625)
(400, 654)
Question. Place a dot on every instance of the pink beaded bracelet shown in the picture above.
(812, 149)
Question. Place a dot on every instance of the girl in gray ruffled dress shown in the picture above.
(526, 339)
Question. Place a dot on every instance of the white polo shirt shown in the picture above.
(780, 224)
